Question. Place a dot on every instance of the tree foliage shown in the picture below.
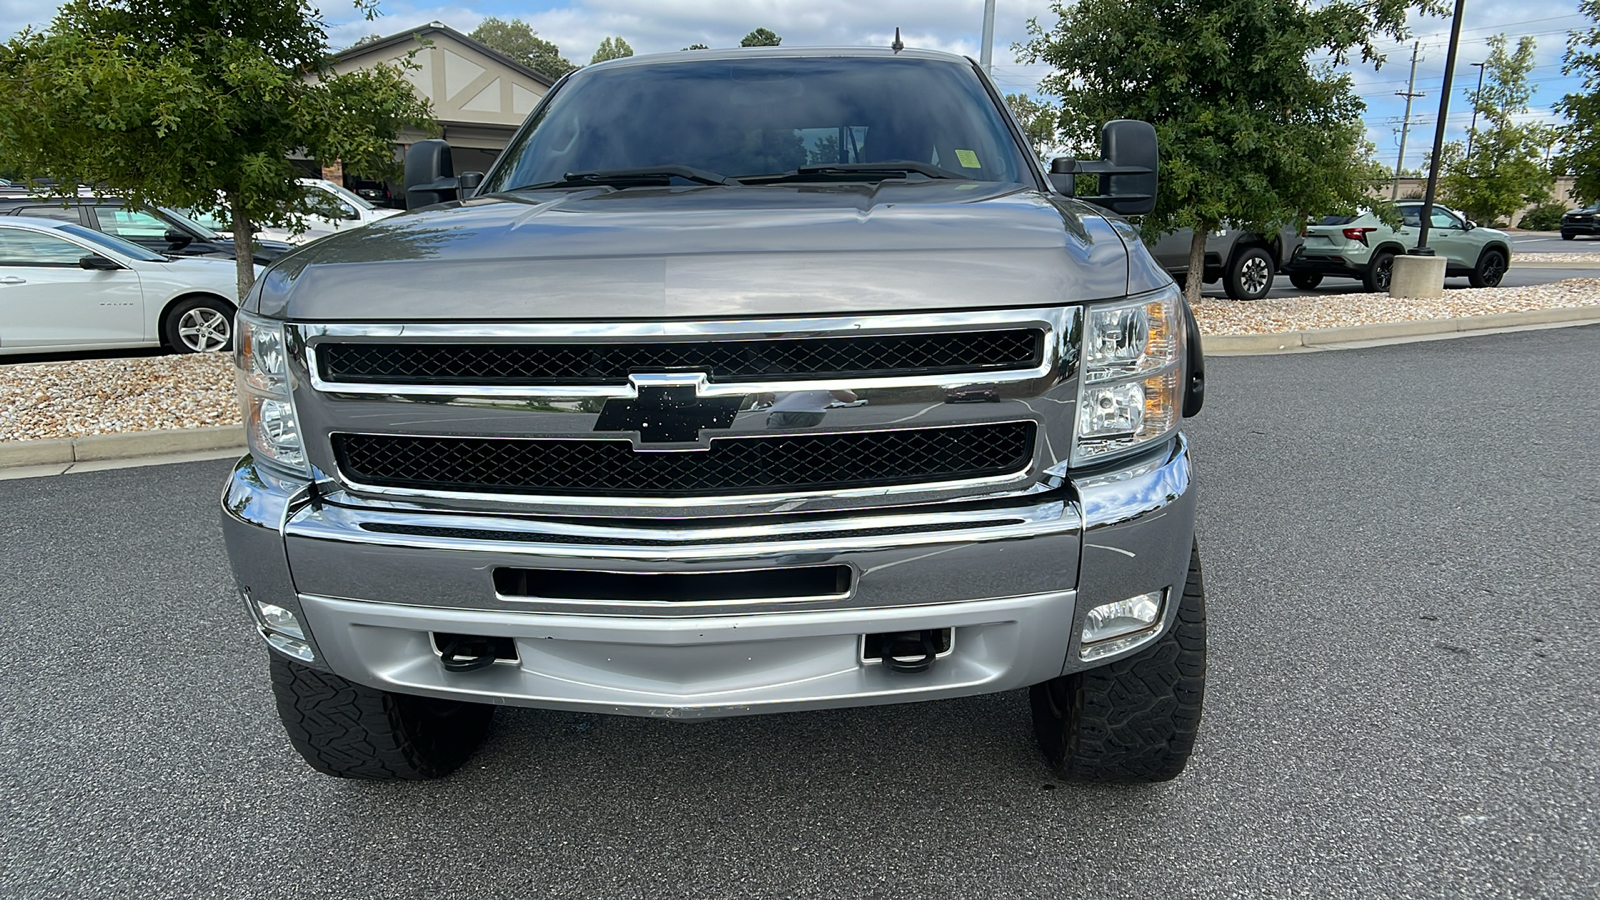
(1039, 121)
(761, 37)
(1581, 134)
(1252, 131)
(1506, 169)
(611, 48)
(697, 47)
(518, 40)
(196, 103)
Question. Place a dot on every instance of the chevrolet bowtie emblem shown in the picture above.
(672, 413)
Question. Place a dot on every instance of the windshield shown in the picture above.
(208, 220)
(111, 242)
(767, 116)
(343, 192)
(206, 234)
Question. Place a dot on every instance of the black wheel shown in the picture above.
(1491, 268)
(1250, 276)
(199, 325)
(1133, 720)
(1379, 273)
(354, 731)
(1305, 281)
(1568, 237)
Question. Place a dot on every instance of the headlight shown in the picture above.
(272, 430)
(1132, 380)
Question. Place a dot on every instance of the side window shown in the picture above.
(32, 249)
(59, 213)
(130, 223)
(1443, 219)
(1411, 216)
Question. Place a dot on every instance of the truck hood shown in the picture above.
(707, 252)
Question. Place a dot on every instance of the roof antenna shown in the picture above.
(898, 44)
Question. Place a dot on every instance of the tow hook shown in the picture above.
(910, 651)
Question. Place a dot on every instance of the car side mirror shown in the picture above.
(1128, 167)
(97, 263)
(430, 174)
(1471, 224)
(176, 240)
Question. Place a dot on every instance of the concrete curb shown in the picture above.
(1323, 338)
(127, 445)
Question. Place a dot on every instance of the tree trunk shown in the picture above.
(1197, 263)
(244, 245)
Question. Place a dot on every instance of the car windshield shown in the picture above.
(1336, 220)
(206, 234)
(772, 116)
(344, 193)
(207, 220)
(111, 242)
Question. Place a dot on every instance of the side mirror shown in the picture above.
(469, 183)
(1471, 224)
(1128, 167)
(430, 174)
(176, 240)
(97, 263)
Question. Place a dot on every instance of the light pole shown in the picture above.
(1476, 94)
(1422, 248)
(986, 54)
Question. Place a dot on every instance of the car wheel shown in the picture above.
(199, 325)
(354, 731)
(1250, 276)
(1305, 281)
(1568, 237)
(1133, 720)
(1491, 268)
(1379, 273)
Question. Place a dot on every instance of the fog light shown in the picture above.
(296, 648)
(1114, 627)
(280, 620)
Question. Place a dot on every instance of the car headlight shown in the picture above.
(261, 358)
(1132, 379)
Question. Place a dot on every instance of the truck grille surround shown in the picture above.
(775, 464)
(760, 416)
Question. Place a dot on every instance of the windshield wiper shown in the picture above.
(649, 176)
(873, 171)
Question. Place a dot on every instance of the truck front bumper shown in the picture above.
(372, 585)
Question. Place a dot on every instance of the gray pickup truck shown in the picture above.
(745, 382)
(1246, 262)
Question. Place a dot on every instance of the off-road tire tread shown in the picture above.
(1133, 720)
(353, 731)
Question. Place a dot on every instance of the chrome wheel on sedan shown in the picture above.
(200, 325)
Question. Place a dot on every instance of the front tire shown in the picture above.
(353, 731)
(1133, 720)
(1250, 276)
(1568, 237)
(1490, 269)
(199, 325)
(1306, 281)
(1379, 274)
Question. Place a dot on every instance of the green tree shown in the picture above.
(1252, 131)
(518, 40)
(196, 104)
(1506, 169)
(612, 48)
(697, 47)
(1039, 121)
(1581, 135)
(761, 37)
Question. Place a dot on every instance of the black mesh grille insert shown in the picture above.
(766, 360)
(734, 465)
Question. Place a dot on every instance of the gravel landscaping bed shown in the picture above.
(100, 396)
(1553, 257)
(1218, 316)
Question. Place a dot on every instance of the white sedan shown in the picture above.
(66, 287)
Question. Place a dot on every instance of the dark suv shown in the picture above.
(1581, 221)
(159, 230)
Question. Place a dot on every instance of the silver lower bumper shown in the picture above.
(1013, 583)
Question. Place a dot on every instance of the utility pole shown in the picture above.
(1475, 95)
(986, 55)
(1405, 127)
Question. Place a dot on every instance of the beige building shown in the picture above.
(479, 96)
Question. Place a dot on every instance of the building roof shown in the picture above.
(440, 28)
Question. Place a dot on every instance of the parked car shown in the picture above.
(1363, 247)
(345, 209)
(67, 287)
(1584, 221)
(655, 424)
(162, 231)
(1244, 261)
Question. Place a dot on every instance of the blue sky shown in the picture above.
(661, 25)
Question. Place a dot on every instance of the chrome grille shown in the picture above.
(733, 465)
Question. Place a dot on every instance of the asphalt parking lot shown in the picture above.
(1402, 702)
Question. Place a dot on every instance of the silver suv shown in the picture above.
(1363, 247)
(746, 382)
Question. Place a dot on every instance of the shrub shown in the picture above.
(1544, 217)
